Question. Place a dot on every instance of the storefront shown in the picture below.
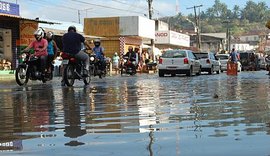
(120, 32)
(9, 32)
(16, 33)
(171, 40)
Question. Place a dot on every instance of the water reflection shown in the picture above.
(72, 115)
(150, 112)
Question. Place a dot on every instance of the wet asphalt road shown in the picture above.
(140, 115)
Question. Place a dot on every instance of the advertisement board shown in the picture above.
(9, 8)
(27, 29)
(173, 38)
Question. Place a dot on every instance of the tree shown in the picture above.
(218, 10)
(254, 12)
(236, 12)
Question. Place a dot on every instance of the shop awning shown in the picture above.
(27, 19)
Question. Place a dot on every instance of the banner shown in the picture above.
(9, 8)
(27, 29)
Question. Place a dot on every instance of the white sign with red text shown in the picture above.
(172, 37)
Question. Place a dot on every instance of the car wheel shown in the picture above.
(218, 71)
(160, 74)
(210, 72)
(199, 72)
(190, 72)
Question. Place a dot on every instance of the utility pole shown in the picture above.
(79, 16)
(150, 10)
(228, 38)
(198, 39)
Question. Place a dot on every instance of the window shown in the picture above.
(174, 54)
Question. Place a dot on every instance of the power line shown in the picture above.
(108, 7)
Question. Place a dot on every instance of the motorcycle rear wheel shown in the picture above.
(21, 76)
(69, 75)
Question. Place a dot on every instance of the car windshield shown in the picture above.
(174, 54)
(222, 57)
(201, 55)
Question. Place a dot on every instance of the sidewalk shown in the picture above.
(7, 75)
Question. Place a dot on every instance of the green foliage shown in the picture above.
(252, 16)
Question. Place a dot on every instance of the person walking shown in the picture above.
(234, 56)
(115, 61)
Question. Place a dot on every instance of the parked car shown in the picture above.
(223, 59)
(178, 62)
(209, 62)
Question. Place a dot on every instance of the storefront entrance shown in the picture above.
(5, 44)
(5, 49)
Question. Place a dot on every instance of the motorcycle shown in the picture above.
(73, 69)
(127, 66)
(95, 67)
(30, 68)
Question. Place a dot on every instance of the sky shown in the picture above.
(77, 10)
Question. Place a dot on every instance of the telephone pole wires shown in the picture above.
(197, 23)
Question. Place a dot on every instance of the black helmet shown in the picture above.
(97, 42)
(72, 28)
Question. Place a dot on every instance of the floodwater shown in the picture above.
(138, 116)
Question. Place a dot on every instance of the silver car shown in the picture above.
(178, 62)
(209, 62)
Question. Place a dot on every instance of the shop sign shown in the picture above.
(9, 8)
(173, 38)
(162, 37)
(27, 30)
(179, 39)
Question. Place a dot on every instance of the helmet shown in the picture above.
(72, 28)
(97, 42)
(39, 34)
(49, 35)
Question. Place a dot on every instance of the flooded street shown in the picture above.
(138, 116)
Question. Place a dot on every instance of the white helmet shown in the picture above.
(39, 33)
(49, 35)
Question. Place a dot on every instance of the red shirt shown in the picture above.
(40, 47)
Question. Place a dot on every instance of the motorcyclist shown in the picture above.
(72, 43)
(99, 52)
(40, 47)
(131, 57)
(52, 50)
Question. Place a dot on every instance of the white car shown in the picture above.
(178, 62)
(224, 58)
(209, 62)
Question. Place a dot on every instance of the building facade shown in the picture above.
(120, 32)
